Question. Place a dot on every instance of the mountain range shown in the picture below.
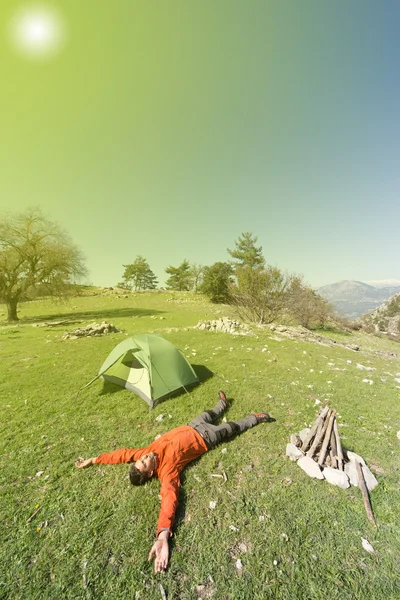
(353, 299)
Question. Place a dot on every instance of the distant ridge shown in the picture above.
(384, 283)
(356, 298)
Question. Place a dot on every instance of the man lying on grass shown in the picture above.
(166, 457)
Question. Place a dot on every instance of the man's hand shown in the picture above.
(82, 463)
(160, 551)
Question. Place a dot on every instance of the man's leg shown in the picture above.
(216, 434)
(209, 416)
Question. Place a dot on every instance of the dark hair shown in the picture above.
(136, 476)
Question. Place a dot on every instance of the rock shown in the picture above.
(239, 564)
(354, 347)
(310, 467)
(224, 325)
(295, 440)
(368, 381)
(293, 452)
(336, 477)
(353, 457)
(303, 433)
(91, 330)
(358, 366)
(351, 470)
(367, 546)
(370, 479)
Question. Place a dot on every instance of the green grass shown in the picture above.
(93, 533)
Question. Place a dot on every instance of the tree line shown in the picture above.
(260, 292)
(38, 257)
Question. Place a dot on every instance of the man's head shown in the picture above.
(142, 469)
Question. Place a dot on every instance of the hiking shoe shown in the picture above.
(263, 417)
(222, 396)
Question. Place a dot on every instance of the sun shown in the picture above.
(37, 31)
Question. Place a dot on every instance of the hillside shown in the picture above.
(250, 523)
(386, 318)
(355, 298)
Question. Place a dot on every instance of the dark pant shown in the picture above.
(216, 434)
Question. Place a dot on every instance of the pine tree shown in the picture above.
(139, 275)
(246, 253)
(180, 277)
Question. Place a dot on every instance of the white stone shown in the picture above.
(365, 368)
(336, 477)
(295, 440)
(351, 470)
(370, 480)
(310, 467)
(303, 433)
(367, 546)
(353, 457)
(368, 381)
(293, 452)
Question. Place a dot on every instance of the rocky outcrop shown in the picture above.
(386, 318)
(224, 325)
(91, 330)
(301, 333)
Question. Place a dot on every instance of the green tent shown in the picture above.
(148, 365)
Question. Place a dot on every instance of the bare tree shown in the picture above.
(306, 306)
(35, 253)
(260, 293)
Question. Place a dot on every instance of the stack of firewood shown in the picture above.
(322, 443)
(319, 453)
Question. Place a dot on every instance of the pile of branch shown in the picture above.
(322, 443)
(320, 454)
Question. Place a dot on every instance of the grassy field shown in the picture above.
(296, 538)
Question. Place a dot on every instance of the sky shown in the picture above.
(168, 128)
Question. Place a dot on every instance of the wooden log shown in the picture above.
(364, 492)
(319, 436)
(333, 452)
(314, 428)
(34, 514)
(338, 446)
(327, 438)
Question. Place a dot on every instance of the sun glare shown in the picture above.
(37, 31)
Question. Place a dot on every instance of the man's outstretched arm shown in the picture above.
(169, 503)
(124, 455)
(82, 463)
(160, 551)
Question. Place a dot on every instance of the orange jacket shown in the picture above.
(174, 450)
